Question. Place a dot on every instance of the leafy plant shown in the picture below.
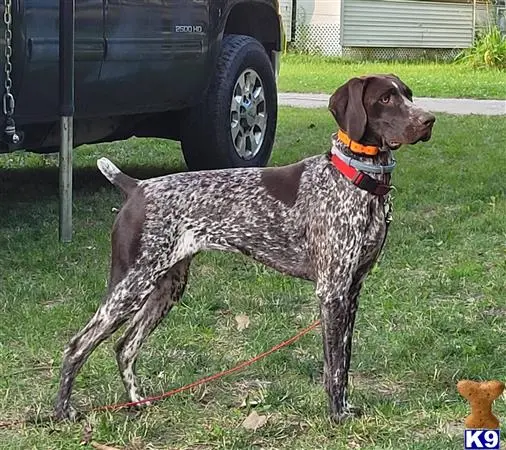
(488, 50)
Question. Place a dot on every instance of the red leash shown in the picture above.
(237, 368)
(118, 406)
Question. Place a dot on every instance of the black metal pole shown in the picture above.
(66, 57)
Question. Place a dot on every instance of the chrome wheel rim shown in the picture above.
(248, 114)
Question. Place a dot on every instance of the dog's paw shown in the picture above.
(138, 401)
(67, 413)
(348, 412)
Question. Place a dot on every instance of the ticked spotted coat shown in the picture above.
(305, 220)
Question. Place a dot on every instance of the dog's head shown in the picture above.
(379, 110)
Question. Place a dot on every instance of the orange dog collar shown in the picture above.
(355, 147)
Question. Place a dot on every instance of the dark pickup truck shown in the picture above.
(199, 71)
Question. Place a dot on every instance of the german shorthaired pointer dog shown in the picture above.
(323, 219)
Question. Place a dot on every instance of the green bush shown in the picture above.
(488, 50)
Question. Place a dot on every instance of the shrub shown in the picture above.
(488, 50)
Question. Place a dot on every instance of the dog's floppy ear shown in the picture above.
(347, 107)
(405, 89)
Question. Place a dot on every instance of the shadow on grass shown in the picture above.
(29, 197)
(41, 184)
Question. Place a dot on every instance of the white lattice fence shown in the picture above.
(323, 39)
(399, 53)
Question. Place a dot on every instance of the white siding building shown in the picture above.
(381, 28)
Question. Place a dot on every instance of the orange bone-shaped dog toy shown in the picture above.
(480, 397)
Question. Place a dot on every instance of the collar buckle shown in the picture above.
(369, 184)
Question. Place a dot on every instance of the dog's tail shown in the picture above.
(117, 177)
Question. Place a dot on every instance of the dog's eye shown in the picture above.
(385, 99)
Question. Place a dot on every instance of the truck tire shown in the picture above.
(235, 124)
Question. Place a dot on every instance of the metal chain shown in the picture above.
(8, 99)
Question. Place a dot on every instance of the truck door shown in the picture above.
(156, 54)
(38, 72)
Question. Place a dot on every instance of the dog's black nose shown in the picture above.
(428, 119)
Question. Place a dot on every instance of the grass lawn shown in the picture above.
(432, 312)
(303, 73)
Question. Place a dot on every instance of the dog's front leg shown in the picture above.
(338, 309)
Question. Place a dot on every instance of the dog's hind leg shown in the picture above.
(121, 302)
(169, 290)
